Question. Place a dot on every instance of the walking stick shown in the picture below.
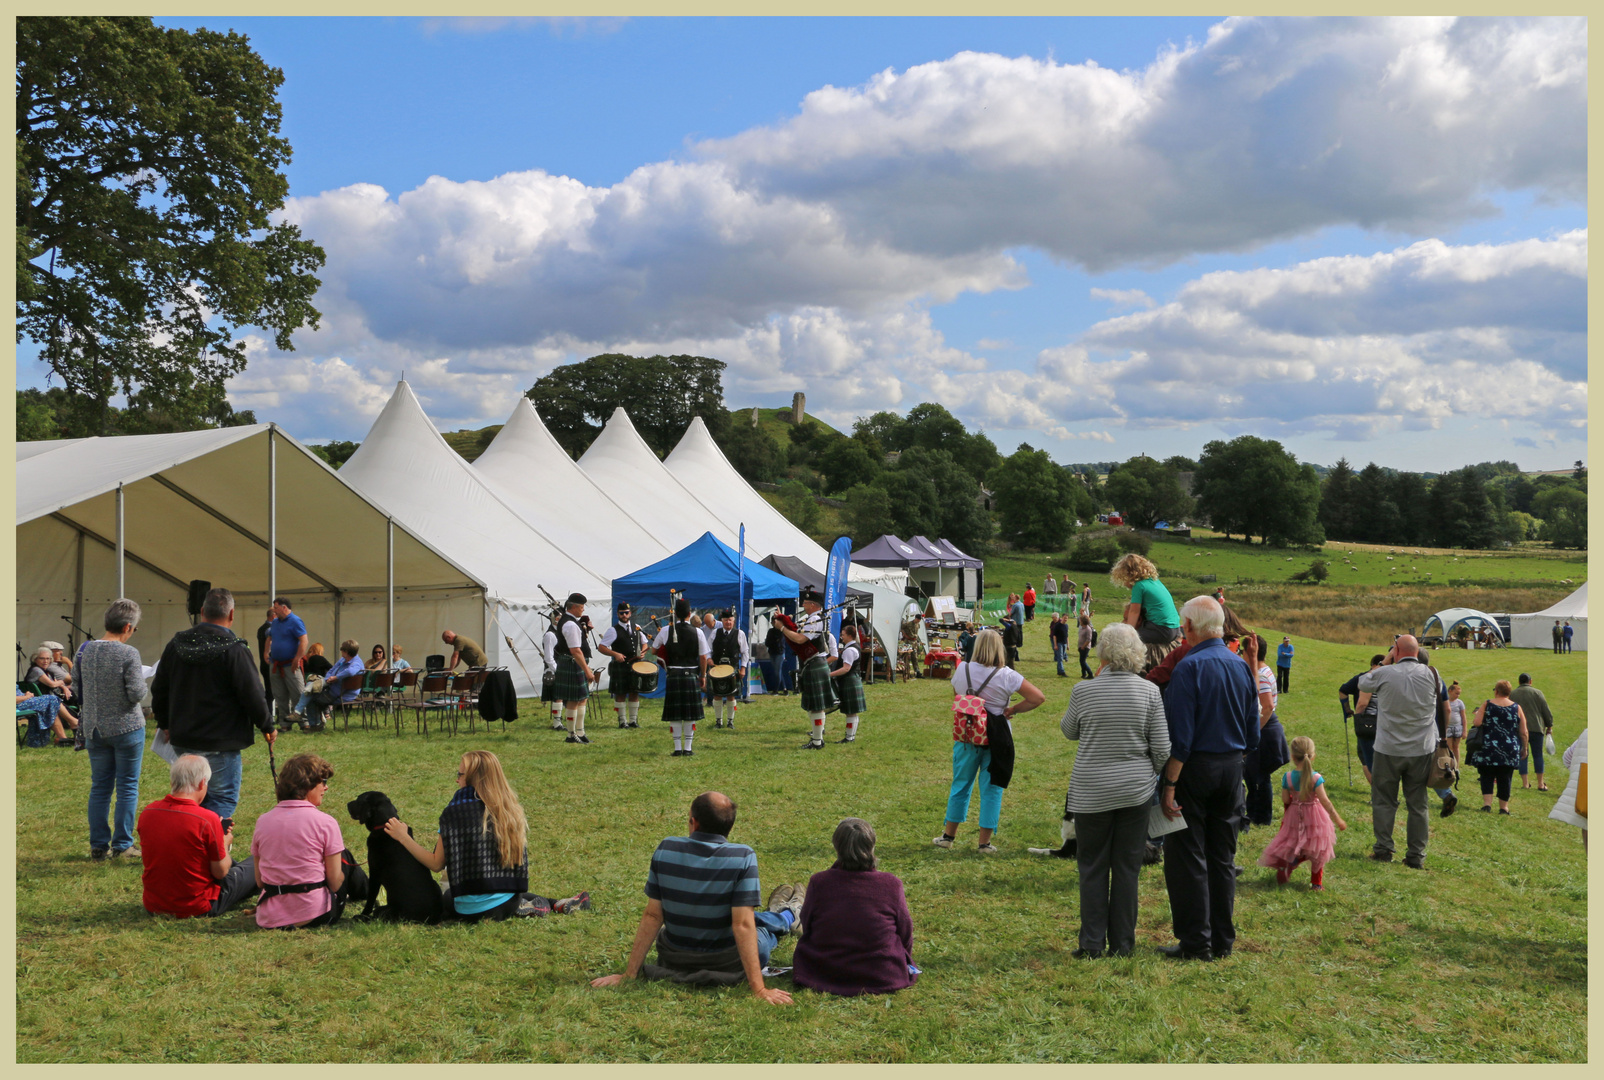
(272, 765)
(1345, 756)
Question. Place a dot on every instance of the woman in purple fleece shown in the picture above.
(856, 933)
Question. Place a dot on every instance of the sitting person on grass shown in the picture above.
(856, 934)
(298, 853)
(700, 894)
(188, 870)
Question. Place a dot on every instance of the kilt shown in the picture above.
(849, 693)
(814, 683)
(548, 686)
(572, 682)
(622, 680)
(682, 698)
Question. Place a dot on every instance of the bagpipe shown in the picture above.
(805, 650)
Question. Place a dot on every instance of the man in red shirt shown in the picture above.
(1030, 602)
(187, 867)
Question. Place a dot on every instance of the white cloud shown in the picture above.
(1125, 298)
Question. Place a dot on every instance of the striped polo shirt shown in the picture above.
(698, 879)
(1118, 719)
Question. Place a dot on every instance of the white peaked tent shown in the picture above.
(552, 493)
(701, 466)
(1536, 630)
(621, 464)
(406, 466)
(210, 506)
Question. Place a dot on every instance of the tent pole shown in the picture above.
(389, 587)
(272, 516)
(78, 603)
(121, 580)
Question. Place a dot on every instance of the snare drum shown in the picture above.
(721, 680)
(646, 676)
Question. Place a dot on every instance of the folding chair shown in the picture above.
(399, 698)
(432, 690)
(377, 693)
(347, 684)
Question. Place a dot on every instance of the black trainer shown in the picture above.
(1450, 804)
(585, 739)
(677, 753)
(571, 738)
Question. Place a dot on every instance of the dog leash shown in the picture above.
(272, 765)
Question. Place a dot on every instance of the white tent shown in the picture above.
(701, 466)
(552, 493)
(1536, 630)
(1445, 622)
(407, 466)
(209, 505)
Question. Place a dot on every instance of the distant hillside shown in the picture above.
(470, 444)
(770, 420)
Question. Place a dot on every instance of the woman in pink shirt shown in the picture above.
(297, 849)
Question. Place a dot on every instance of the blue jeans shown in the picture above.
(114, 763)
(222, 794)
(971, 763)
(1537, 757)
(771, 926)
(788, 671)
(1060, 654)
(771, 676)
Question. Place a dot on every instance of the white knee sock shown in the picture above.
(734, 704)
(618, 709)
(571, 721)
(818, 726)
(852, 726)
(556, 712)
(718, 709)
(690, 733)
(634, 710)
(579, 721)
(678, 730)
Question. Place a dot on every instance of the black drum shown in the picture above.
(646, 675)
(721, 680)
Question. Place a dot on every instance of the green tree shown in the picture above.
(1180, 463)
(915, 507)
(959, 516)
(846, 463)
(868, 513)
(1376, 518)
(1033, 500)
(1148, 491)
(336, 453)
(148, 171)
(35, 418)
(1255, 487)
(753, 452)
(1339, 511)
(75, 416)
(661, 394)
(883, 427)
(796, 503)
(1563, 511)
(1411, 495)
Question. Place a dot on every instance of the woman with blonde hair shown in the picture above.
(483, 846)
(988, 677)
(1151, 608)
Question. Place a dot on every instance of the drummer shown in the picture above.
(625, 643)
(848, 683)
(548, 681)
(811, 645)
(729, 649)
(684, 650)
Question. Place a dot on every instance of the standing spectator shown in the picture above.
(1363, 720)
(1058, 634)
(1559, 637)
(1539, 722)
(206, 697)
(1411, 715)
(1118, 720)
(988, 677)
(1085, 598)
(1569, 630)
(1456, 720)
(1212, 706)
(1307, 817)
(188, 870)
(1083, 642)
(859, 933)
(1016, 609)
(262, 644)
(286, 655)
(1283, 666)
(1566, 808)
(112, 681)
(1503, 744)
(1260, 766)
(1151, 609)
(1049, 587)
(1030, 602)
(966, 641)
(1013, 633)
(1219, 594)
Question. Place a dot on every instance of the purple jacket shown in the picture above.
(858, 935)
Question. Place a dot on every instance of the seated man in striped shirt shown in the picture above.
(701, 891)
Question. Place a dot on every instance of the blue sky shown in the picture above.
(1362, 238)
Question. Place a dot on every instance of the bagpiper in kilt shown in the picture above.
(848, 684)
(573, 671)
(684, 651)
(807, 639)
(548, 679)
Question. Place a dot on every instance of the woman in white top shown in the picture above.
(987, 676)
(1118, 720)
(1456, 719)
(1565, 809)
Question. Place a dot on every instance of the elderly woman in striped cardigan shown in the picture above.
(1118, 720)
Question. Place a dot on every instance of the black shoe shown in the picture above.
(585, 739)
(811, 745)
(622, 725)
(1222, 955)
(849, 738)
(99, 854)
(689, 753)
(1486, 809)
(1381, 856)
(1176, 952)
(677, 753)
(571, 738)
(634, 723)
(1450, 804)
(1506, 813)
(1414, 862)
(1085, 954)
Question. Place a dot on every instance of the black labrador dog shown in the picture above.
(410, 891)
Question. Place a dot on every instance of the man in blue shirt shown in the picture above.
(1212, 705)
(286, 657)
(1283, 666)
(701, 891)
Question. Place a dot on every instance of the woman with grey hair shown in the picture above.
(856, 935)
(112, 682)
(1118, 720)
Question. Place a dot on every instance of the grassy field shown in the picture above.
(1480, 958)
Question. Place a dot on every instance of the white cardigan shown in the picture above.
(1575, 758)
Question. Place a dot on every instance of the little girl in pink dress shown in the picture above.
(1306, 815)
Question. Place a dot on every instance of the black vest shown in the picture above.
(562, 640)
(626, 639)
(727, 647)
(683, 652)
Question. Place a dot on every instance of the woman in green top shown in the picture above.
(1151, 609)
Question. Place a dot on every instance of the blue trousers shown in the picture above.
(114, 766)
(969, 764)
(788, 671)
(222, 793)
(1537, 756)
(1060, 654)
(771, 926)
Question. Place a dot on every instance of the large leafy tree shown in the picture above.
(752, 451)
(868, 514)
(1033, 500)
(959, 516)
(662, 394)
(148, 167)
(1338, 506)
(1461, 513)
(1148, 491)
(845, 463)
(1564, 514)
(1255, 487)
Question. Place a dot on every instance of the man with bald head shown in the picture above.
(1411, 716)
(1212, 707)
(700, 894)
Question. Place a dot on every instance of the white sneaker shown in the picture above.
(942, 841)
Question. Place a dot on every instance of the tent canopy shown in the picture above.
(803, 574)
(1449, 619)
(887, 550)
(705, 571)
(1535, 629)
(969, 561)
(196, 505)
